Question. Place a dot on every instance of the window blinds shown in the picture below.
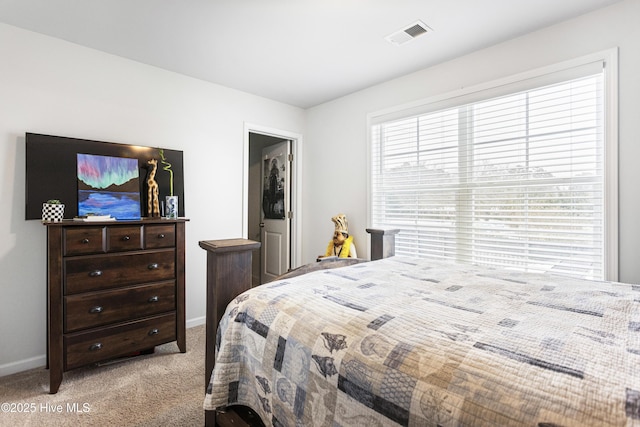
(515, 180)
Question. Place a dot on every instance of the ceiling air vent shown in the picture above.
(409, 33)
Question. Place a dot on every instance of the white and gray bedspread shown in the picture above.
(417, 342)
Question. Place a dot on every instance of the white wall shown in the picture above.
(53, 87)
(336, 132)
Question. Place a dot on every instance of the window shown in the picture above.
(517, 180)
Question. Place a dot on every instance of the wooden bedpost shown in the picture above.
(228, 275)
(383, 242)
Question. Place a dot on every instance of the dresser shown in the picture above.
(113, 289)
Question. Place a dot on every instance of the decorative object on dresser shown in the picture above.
(171, 201)
(112, 289)
(153, 205)
(108, 185)
(53, 210)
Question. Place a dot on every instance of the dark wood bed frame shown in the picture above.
(229, 274)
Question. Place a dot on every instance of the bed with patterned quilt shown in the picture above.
(415, 342)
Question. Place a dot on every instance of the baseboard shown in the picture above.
(41, 361)
(196, 322)
(23, 365)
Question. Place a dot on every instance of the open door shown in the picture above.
(276, 217)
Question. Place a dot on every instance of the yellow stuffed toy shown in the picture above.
(342, 245)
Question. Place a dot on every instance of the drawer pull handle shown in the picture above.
(161, 236)
(153, 266)
(126, 238)
(95, 273)
(153, 299)
(95, 347)
(85, 241)
(154, 331)
(95, 310)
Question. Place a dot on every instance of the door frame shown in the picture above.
(296, 184)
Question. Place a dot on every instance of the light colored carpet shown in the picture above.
(162, 389)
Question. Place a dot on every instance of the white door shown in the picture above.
(276, 220)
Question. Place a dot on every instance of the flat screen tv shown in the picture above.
(97, 177)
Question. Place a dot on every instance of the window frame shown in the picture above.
(522, 81)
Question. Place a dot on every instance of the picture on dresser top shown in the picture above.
(108, 186)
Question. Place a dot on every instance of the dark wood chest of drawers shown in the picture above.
(114, 288)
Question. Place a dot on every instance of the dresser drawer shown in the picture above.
(90, 347)
(83, 240)
(127, 238)
(88, 310)
(92, 273)
(159, 236)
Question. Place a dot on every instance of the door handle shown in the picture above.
(261, 224)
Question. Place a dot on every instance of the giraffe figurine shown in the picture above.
(153, 208)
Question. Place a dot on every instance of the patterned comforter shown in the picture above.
(417, 342)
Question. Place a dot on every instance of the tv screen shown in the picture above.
(59, 168)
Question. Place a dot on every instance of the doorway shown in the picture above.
(260, 142)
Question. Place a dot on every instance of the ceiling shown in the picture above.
(300, 52)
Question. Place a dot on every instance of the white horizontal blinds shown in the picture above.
(514, 181)
(416, 182)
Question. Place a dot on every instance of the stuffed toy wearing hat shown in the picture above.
(342, 244)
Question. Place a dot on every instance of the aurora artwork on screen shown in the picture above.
(108, 186)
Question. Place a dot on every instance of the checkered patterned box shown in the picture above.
(52, 212)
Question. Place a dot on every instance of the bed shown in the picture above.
(414, 342)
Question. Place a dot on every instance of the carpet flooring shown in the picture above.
(165, 388)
